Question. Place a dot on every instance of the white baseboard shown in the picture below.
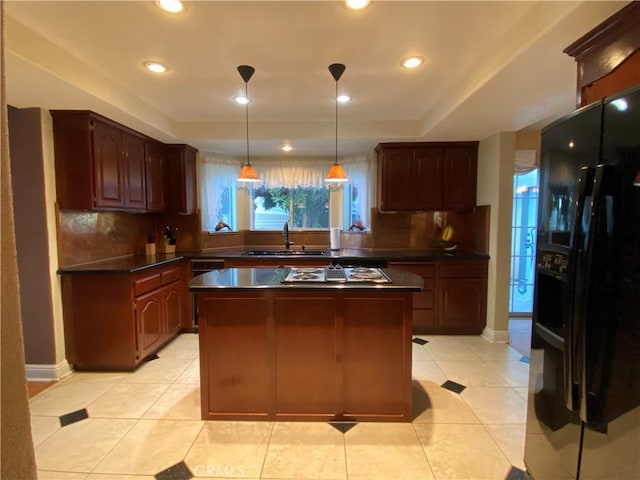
(46, 372)
(495, 336)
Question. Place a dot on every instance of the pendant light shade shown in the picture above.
(247, 173)
(336, 172)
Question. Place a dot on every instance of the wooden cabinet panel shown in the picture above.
(234, 353)
(113, 321)
(459, 178)
(462, 304)
(103, 165)
(133, 160)
(107, 151)
(395, 173)
(374, 356)
(146, 284)
(454, 297)
(181, 179)
(429, 176)
(308, 355)
(154, 174)
(149, 321)
(173, 301)
(305, 329)
(426, 180)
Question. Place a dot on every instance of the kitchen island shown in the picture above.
(325, 351)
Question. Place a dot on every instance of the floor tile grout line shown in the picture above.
(186, 454)
(133, 424)
(266, 452)
(424, 452)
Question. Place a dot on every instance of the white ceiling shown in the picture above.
(490, 67)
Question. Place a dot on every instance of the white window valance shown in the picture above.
(525, 161)
(292, 173)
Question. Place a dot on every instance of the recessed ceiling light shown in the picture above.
(155, 67)
(172, 6)
(412, 62)
(242, 100)
(357, 4)
(286, 147)
(343, 98)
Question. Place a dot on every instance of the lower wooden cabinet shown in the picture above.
(454, 299)
(113, 321)
(333, 355)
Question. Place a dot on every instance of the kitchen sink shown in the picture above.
(277, 253)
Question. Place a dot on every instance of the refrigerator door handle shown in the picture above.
(582, 291)
(572, 367)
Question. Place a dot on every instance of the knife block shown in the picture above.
(164, 247)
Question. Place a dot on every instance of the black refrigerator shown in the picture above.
(583, 416)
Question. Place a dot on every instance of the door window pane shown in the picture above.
(523, 242)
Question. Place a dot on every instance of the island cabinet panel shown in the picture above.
(377, 358)
(305, 355)
(113, 321)
(305, 342)
(235, 352)
(427, 176)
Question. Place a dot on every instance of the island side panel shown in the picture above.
(305, 355)
(377, 357)
(234, 355)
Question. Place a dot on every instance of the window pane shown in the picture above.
(302, 207)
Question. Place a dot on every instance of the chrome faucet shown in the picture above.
(285, 234)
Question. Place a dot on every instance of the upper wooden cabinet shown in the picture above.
(427, 176)
(155, 157)
(608, 56)
(102, 165)
(181, 179)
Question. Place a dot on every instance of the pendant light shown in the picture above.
(247, 173)
(336, 172)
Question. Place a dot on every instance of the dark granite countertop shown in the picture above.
(397, 255)
(136, 263)
(128, 264)
(271, 278)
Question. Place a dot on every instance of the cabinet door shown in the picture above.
(396, 178)
(181, 179)
(427, 179)
(462, 304)
(172, 303)
(459, 178)
(149, 321)
(133, 168)
(154, 174)
(107, 152)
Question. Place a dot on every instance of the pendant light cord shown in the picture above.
(246, 114)
(336, 100)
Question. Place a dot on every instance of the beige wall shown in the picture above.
(495, 188)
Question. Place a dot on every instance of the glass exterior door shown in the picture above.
(523, 242)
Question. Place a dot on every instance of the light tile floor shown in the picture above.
(146, 425)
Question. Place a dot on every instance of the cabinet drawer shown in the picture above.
(170, 275)
(463, 269)
(146, 284)
(422, 269)
(423, 299)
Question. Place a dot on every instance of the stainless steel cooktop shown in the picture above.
(336, 273)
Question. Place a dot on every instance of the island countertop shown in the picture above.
(272, 278)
